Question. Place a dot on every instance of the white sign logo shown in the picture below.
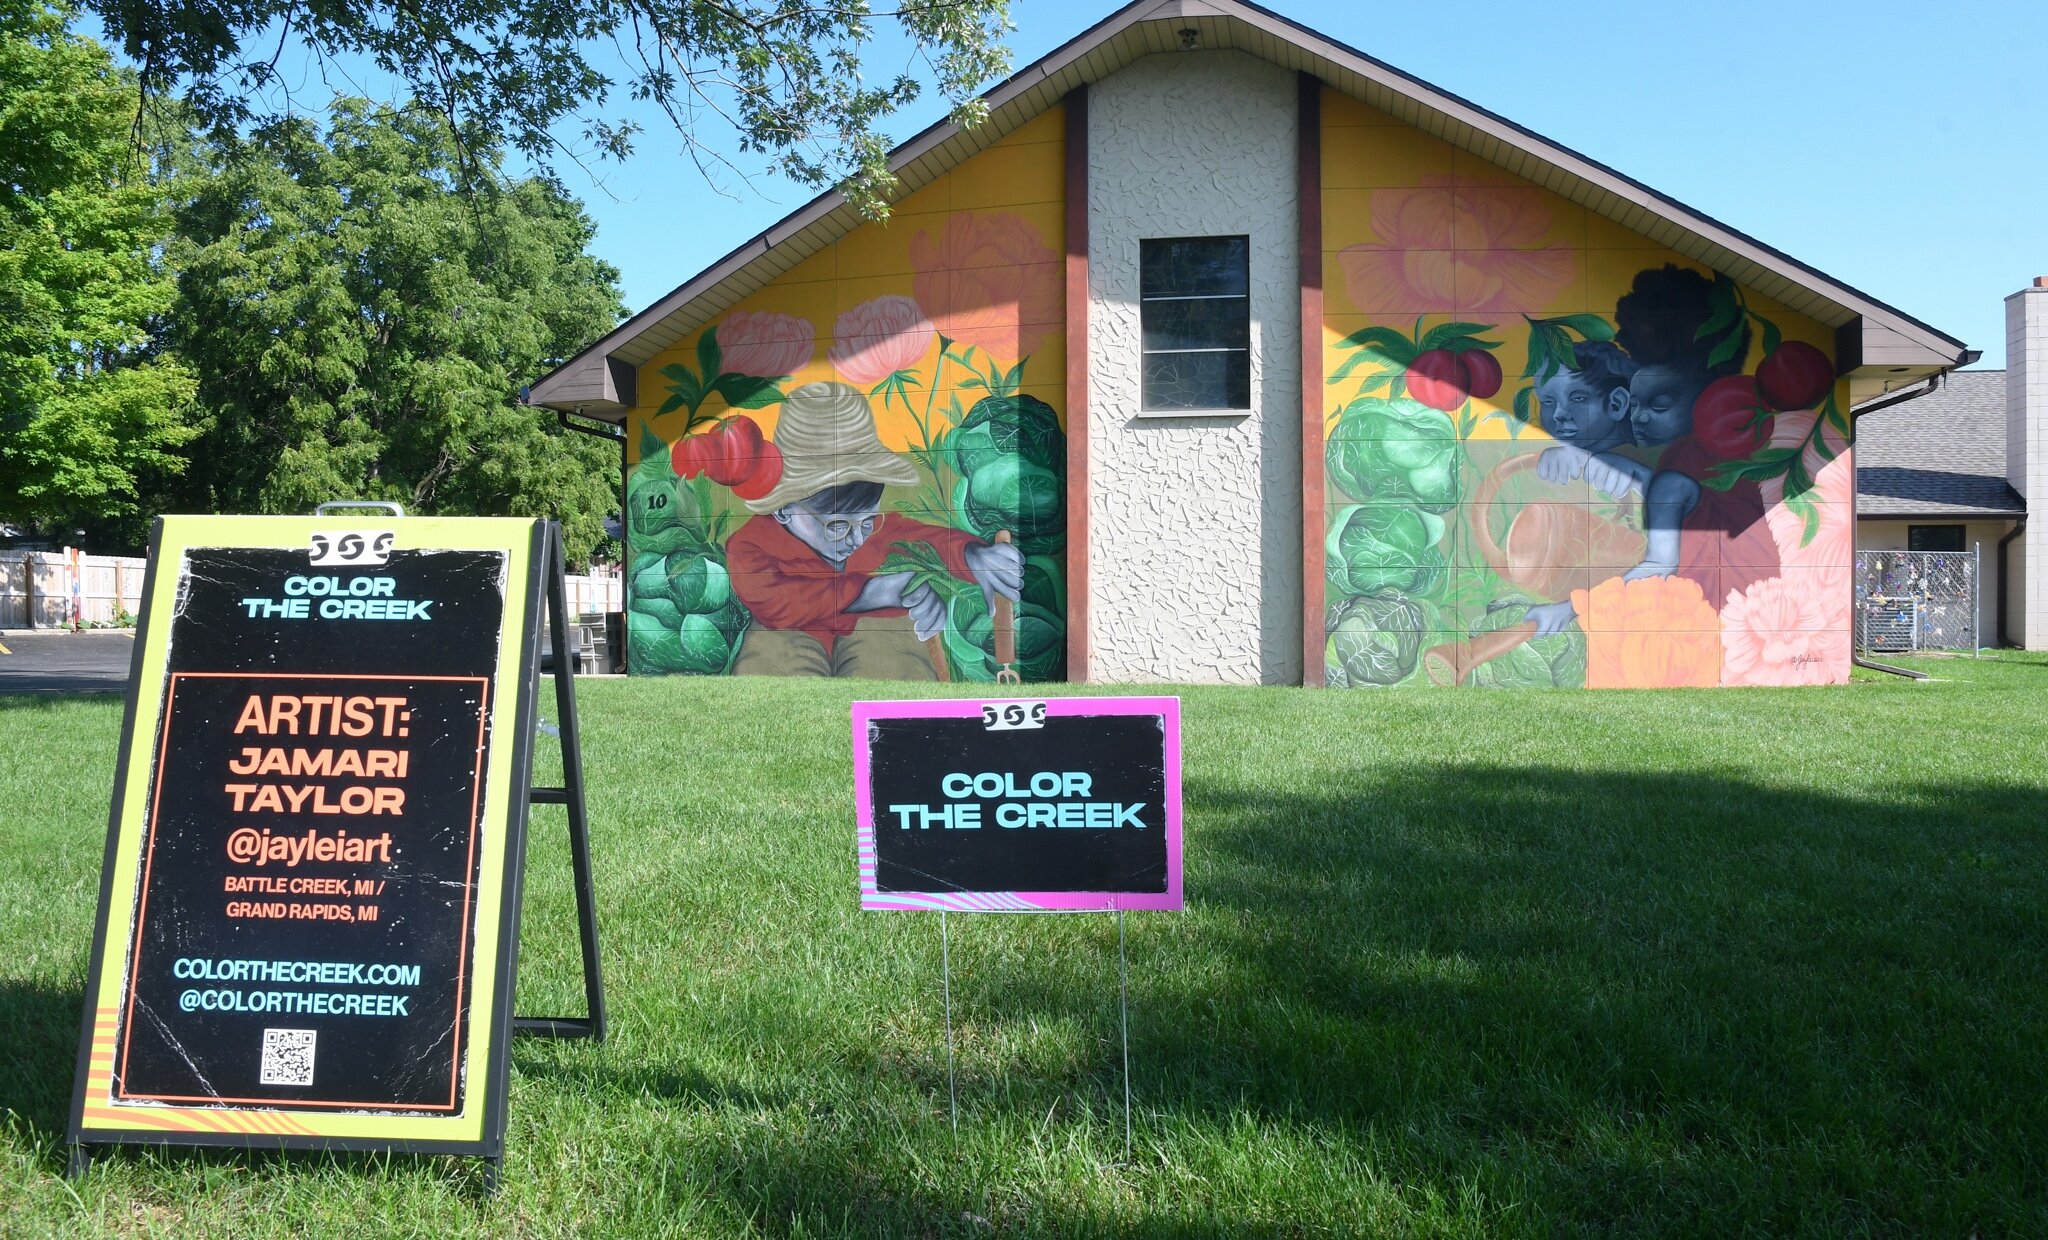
(1012, 716)
(352, 547)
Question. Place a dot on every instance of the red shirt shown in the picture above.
(786, 585)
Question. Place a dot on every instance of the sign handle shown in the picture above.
(570, 794)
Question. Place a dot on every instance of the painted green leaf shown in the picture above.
(709, 358)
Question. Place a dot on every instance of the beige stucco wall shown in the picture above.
(1195, 522)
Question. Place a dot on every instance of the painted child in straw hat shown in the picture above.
(805, 564)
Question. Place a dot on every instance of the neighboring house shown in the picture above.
(1223, 352)
(1945, 471)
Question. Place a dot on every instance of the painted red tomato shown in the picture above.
(736, 449)
(689, 455)
(1727, 420)
(1437, 379)
(762, 478)
(1795, 376)
(1482, 372)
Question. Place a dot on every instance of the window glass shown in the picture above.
(1934, 538)
(1195, 315)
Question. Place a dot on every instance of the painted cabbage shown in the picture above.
(1011, 457)
(971, 639)
(1374, 548)
(683, 614)
(1373, 640)
(1395, 451)
(1556, 661)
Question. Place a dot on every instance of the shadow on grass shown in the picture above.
(15, 700)
(1615, 999)
(39, 1026)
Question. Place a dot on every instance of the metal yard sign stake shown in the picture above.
(946, 973)
(1123, 995)
(1067, 805)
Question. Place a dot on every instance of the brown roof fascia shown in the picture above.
(585, 381)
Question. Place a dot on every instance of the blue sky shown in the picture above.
(1897, 147)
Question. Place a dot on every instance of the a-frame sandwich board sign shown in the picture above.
(309, 909)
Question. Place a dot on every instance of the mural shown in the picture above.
(885, 502)
(1661, 495)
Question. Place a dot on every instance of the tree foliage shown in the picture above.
(785, 74)
(93, 416)
(361, 329)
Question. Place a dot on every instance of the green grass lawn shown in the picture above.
(1480, 963)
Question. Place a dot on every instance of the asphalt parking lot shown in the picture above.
(53, 661)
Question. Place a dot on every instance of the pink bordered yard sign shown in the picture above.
(1061, 805)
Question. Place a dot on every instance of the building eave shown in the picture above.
(1881, 347)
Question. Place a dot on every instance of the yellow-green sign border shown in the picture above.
(478, 1127)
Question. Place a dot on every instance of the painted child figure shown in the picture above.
(1720, 540)
(806, 564)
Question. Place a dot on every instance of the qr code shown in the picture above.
(287, 1057)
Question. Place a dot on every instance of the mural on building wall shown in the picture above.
(876, 502)
(1557, 455)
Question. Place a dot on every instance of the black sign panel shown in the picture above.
(1067, 804)
(305, 844)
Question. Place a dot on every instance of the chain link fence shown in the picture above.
(1916, 600)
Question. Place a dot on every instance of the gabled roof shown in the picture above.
(1880, 347)
(1938, 455)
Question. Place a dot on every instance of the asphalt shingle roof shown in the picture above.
(1942, 454)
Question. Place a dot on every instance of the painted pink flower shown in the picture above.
(989, 280)
(1833, 544)
(1457, 248)
(877, 338)
(764, 344)
(1788, 630)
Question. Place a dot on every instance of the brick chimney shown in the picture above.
(2026, 448)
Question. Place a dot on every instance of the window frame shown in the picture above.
(1145, 408)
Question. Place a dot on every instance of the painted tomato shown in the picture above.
(1437, 379)
(766, 473)
(730, 454)
(1482, 372)
(1727, 420)
(1795, 376)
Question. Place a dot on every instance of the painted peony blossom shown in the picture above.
(877, 338)
(764, 344)
(1833, 544)
(1792, 631)
(1656, 633)
(1457, 248)
(988, 280)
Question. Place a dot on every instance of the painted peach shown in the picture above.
(764, 344)
(1464, 248)
(1655, 633)
(1788, 632)
(877, 338)
(989, 280)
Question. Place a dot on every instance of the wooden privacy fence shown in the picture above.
(42, 589)
(109, 587)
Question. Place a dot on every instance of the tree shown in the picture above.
(785, 74)
(93, 417)
(361, 327)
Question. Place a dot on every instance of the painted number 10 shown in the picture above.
(1012, 716)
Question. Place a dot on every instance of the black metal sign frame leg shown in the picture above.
(570, 794)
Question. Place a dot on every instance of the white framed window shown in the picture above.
(1194, 310)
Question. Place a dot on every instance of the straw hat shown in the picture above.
(826, 434)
